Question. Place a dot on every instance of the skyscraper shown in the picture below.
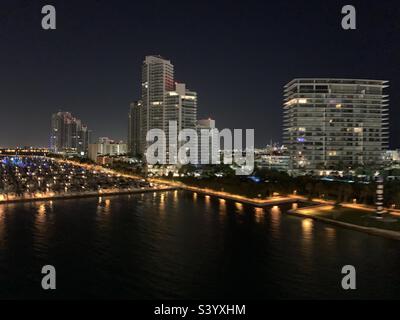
(157, 80)
(68, 134)
(204, 129)
(163, 100)
(180, 106)
(335, 124)
(134, 128)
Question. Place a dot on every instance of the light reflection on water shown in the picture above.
(107, 205)
(103, 206)
(307, 226)
(259, 214)
(207, 200)
(2, 225)
(41, 210)
(222, 207)
(275, 218)
(162, 203)
(239, 207)
(275, 215)
(331, 233)
(133, 251)
(41, 225)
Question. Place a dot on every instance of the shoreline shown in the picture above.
(389, 234)
(254, 202)
(277, 200)
(87, 195)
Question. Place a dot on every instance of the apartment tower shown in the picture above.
(335, 124)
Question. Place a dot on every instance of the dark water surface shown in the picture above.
(181, 245)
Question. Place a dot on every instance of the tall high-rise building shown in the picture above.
(134, 128)
(162, 101)
(157, 80)
(68, 134)
(204, 129)
(180, 106)
(335, 124)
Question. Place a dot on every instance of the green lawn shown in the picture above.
(360, 217)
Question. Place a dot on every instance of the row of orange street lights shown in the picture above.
(276, 196)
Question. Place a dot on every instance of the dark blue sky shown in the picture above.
(236, 54)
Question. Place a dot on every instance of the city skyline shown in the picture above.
(95, 78)
(199, 158)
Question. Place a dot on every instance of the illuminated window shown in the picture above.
(293, 101)
(189, 97)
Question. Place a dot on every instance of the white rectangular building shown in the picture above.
(107, 147)
(335, 124)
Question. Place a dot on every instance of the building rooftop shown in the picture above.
(153, 58)
(338, 81)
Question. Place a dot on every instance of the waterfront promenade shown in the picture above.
(81, 194)
(362, 219)
(106, 182)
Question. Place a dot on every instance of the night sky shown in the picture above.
(237, 55)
